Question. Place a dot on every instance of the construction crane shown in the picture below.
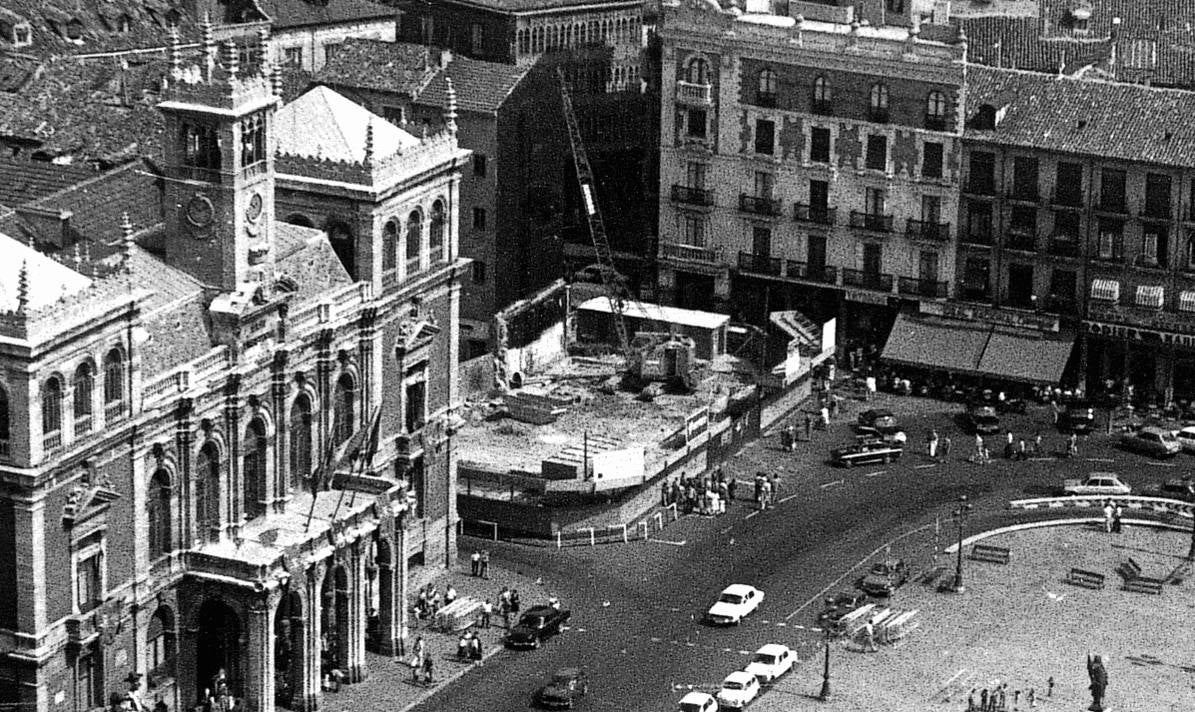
(615, 288)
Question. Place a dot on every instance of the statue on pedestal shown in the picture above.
(1099, 682)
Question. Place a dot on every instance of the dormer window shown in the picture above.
(985, 118)
(74, 30)
(22, 34)
(172, 18)
(200, 146)
(123, 23)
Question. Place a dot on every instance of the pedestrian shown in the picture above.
(931, 441)
(979, 446)
(765, 495)
(825, 414)
(723, 497)
(946, 444)
(417, 653)
(664, 493)
(786, 438)
(1022, 454)
(834, 400)
(775, 487)
(1037, 444)
(871, 388)
(485, 563)
(1050, 688)
(487, 610)
(731, 484)
(759, 479)
(1072, 446)
(1009, 450)
(983, 700)
(1033, 697)
(869, 635)
(475, 563)
(971, 700)
(808, 426)
(1016, 699)
(428, 667)
(1117, 513)
(449, 594)
(514, 602)
(1109, 511)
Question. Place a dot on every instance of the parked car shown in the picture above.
(1178, 488)
(536, 624)
(1101, 483)
(698, 702)
(1151, 441)
(867, 451)
(771, 661)
(884, 578)
(1079, 417)
(840, 604)
(1186, 438)
(877, 420)
(736, 602)
(564, 690)
(739, 689)
(982, 419)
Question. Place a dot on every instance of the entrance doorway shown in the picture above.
(334, 621)
(288, 649)
(218, 646)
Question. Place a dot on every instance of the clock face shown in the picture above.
(253, 210)
(200, 211)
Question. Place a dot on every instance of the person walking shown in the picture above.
(759, 479)
(825, 414)
(775, 487)
(1072, 446)
(808, 427)
(417, 653)
(869, 635)
(475, 563)
(765, 494)
(1117, 515)
(1109, 513)
(487, 610)
(428, 667)
(485, 563)
(931, 444)
(514, 602)
(1037, 444)
(786, 438)
(731, 485)
(946, 444)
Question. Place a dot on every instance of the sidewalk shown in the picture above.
(390, 685)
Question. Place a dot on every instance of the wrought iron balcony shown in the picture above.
(822, 274)
(760, 264)
(1060, 304)
(867, 280)
(693, 94)
(818, 214)
(692, 253)
(758, 205)
(921, 287)
(871, 221)
(692, 196)
(977, 234)
(927, 230)
(1022, 240)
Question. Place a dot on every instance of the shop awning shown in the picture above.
(1107, 290)
(1152, 296)
(978, 349)
(1186, 302)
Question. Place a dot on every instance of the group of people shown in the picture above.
(468, 647)
(430, 600)
(1014, 448)
(996, 700)
(422, 667)
(707, 495)
(479, 563)
(1113, 514)
(767, 489)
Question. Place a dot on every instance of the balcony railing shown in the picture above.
(693, 94)
(927, 230)
(1149, 262)
(693, 253)
(1022, 240)
(760, 264)
(871, 221)
(1116, 207)
(759, 206)
(52, 441)
(113, 411)
(692, 196)
(1064, 246)
(818, 214)
(867, 280)
(975, 294)
(921, 287)
(1023, 195)
(82, 425)
(1068, 198)
(1058, 304)
(977, 235)
(981, 186)
(1116, 255)
(823, 274)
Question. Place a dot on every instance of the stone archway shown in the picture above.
(380, 629)
(218, 642)
(334, 621)
(289, 641)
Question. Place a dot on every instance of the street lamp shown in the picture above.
(824, 695)
(960, 513)
(1191, 498)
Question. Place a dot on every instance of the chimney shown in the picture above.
(445, 58)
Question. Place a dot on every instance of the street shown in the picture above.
(637, 607)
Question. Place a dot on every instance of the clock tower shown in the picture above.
(219, 165)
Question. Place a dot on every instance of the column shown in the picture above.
(666, 294)
(354, 642)
(722, 290)
(388, 611)
(307, 697)
(259, 682)
(1164, 363)
(281, 449)
(1083, 381)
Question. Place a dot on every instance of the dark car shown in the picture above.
(982, 419)
(1078, 418)
(884, 578)
(1182, 488)
(865, 452)
(878, 420)
(840, 604)
(566, 688)
(537, 623)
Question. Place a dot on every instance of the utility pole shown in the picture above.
(824, 695)
(960, 513)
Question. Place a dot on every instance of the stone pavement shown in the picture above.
(390, 684)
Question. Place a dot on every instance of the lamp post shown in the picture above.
(960, 513)
(824, 695)
(1191, 497)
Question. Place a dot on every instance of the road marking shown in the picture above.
(787, 498)
(825, 485)
(876, 474)
(924, 467)
(1099, 459)
(1042, 459)
(1163, 464)
(751, 514)
(682, 542)
(726, 529)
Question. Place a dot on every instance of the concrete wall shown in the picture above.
(546, 349)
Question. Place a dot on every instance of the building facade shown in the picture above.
(808, 165)
(224, 451)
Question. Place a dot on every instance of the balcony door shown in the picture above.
(816, 257)
(761, 241)
(872, 259)
(927, 269)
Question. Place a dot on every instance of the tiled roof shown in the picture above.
(17, 72)
(169, 284)
(48, 280)
(286, 14)
(1085, 117)
(106, 25)
(178, 334)
(97, 203)
(404, 68)
(533, 5)
(324, 124)
(304, 255)
(26, 180)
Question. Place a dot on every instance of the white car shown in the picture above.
(698, 702)
(771, 661)
(1097, 483)
(738, 690)
(734, 604)
(1186, 438)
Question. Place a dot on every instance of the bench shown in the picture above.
(899, 626)
(1144, 584)
(1130, 569)
(990, 554)
(853, 621)
(1084, 578)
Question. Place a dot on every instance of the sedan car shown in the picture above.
(738, 690)
(1151, 441)
(1079, 417)
(565, 689)
(884, 578)
(771, 661)
(867, 451)
(536, 624)
(879, 420)
(839, 605)
(735, 603)
(1178, 488)
(1186, 438)
(698, 702)
(982, 419)
(1097, 483)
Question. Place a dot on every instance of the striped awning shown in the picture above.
(1107, 290)
(1186, 302)
(1151, 295)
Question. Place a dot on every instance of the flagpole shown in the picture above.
(315, 483)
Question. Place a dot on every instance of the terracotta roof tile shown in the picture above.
(533, 5)
(102, 30)
(26, 180)
(304, 255)
(480, 86)
(97, 203)
(397, 67)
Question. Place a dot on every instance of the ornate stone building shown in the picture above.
(220, 445)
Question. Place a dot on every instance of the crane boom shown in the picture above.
(597, 228)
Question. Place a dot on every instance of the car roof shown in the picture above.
(740, 589)
(539, 610)
(772, 649)
(568, 672)
(696, 698)
(1153, 429)
(878, 412)
(740, 676)
(1188, 429)
(1104, 474)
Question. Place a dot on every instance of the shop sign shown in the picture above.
(991, 315)
(866, 297)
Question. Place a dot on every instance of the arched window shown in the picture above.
(300, 440)
(766, 88)
(435, 236)
(698, 71)
(253, 469)
(390, 245)
(84, 387)
(878, 107)
(341, 237)
(935, 111)
(821, 96)
(51, 410)
(414, 240)
(5, 423)
(207, 492)
(342, 408)
(160, 637)
(157, 505)
(113, 384)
